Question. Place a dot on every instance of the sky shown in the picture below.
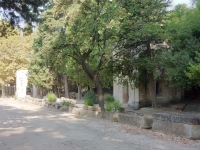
(175, 2)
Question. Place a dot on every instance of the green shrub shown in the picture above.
(108, 98)
(89, 98)
(66, 103)
(51, 97)
(89, 102)
(113, 106)
(90, 95)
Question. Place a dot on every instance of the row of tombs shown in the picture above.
(134, 97)
(139, 97)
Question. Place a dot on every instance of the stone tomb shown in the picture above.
(21, 83)
(179, 124)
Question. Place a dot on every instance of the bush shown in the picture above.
(113, 106)
(90, 98)
(108, 98)
(64, 103)
(89, 102)
(51, 97)
(90, 95)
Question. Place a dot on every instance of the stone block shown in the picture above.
(178, 129)
(74, 110)
(64, 108)
(136, 120)
(58, 106)
(182, 125)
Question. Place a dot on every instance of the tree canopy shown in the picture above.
(20, 9)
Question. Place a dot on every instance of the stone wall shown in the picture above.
(168, 94)
(126, 94)
(183, 125)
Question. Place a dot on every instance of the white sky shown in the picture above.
(175, 2)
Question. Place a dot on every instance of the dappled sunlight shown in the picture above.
(38, 130)
(58, 135)
(112, 139)
(27, 146)
(6, 132)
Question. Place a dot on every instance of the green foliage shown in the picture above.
(108, 98)
(51, 97)
(113, 106)
(89, 37)
(7, 29)
(193, 72)
(28, 10)
(66, 103)
(183, 36)
(90, 98)
(142, 27)
(15, 54)
(46, 63)
(89, 102)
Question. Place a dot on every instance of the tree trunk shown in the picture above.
(152, 84)
(91, 89)
(100, 95)
(3, 91)
(66, 87)
(152, 90)
(79, 92)
(95, 79)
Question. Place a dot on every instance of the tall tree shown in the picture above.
(46, 63)
(15, 51)
(141, 26)
(90, 30)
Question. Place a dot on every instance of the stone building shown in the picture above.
(139, 97)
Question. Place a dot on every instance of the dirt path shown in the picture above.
(25, 126)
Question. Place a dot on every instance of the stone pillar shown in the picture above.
(134, 97)
(35, 91)
(125, 93)
(118, 91)
(21, 83)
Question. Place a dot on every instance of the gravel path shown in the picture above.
(26, 126)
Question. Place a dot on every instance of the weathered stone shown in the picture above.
(178, 118)
(58, 106)
(64, 108)
(85, 107)
(178, 129)
(136, 120)
(194, 120)
(75, 110)
(162, 117)
(178, 124)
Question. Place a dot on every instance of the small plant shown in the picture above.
(51, 97)
(108, 98)
(113, 106)
(90, 98)
(90, 95)
(66, 103)
(89, 102)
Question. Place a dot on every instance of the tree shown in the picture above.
(46, 63)
(194, 71)
(7, 29)
(141, 26)
(90, 30)
(15, 51)
(20, 9)
(183, 37)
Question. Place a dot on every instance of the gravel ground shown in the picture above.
(26, 126)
